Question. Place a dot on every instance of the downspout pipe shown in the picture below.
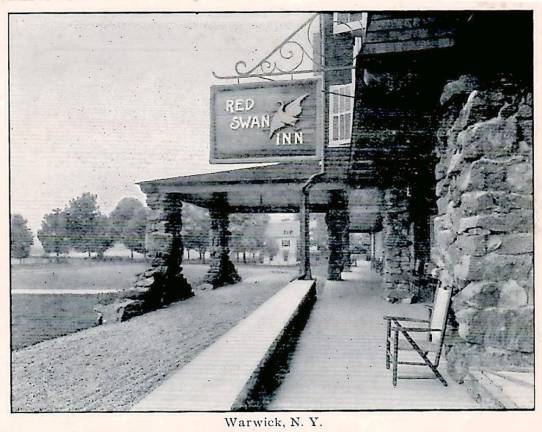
(304, 222)
(313, 179)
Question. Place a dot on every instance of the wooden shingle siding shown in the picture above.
(399, 23)
(337, 162)
(408, 34)
(412, 45)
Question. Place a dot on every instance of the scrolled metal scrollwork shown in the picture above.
(287, 58)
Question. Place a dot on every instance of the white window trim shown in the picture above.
(333, 93)
(341, 26)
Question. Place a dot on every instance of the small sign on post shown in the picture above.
(279, 121)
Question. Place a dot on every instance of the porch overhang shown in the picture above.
(263, 189)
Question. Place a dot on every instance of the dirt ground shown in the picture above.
(109, 368)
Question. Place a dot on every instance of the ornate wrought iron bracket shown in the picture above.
(285, 59)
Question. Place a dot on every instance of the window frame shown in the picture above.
(349, 25)
(340, 101)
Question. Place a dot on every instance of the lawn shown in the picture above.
(36, 318)
(110, 367)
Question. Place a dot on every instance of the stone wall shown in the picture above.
(483, 233)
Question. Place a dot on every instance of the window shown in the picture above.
(344, 22)
(341, 107)
(285, 243)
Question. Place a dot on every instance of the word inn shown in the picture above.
(262, 121)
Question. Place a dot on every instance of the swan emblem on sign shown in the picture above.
(286, 115)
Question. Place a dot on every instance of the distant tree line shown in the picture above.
(82, 227)
(247, 233)
(20, 237)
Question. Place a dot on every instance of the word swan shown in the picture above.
(286, 115)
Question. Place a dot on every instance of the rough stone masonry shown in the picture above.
(484, 229)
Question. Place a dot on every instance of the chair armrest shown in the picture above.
(398, 318)
(427, 306)
(415, 329)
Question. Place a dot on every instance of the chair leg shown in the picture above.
(388, 347)
(395, 357)
(424, 358)
(439, 376)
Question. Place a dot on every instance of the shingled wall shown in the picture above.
(483, 233)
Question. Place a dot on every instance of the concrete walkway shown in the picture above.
(222, 376)
(339, 360)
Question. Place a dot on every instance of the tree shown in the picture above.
(86, 228)
(53, 235)
(248, 234)
(134, 237)
(196, 225)
(102, 238)
(318, 233)
(21, 237)
(270, 248)
(128, 224)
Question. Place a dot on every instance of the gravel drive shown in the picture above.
(109, 368)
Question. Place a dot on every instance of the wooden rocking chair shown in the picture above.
(436, 327)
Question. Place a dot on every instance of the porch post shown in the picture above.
(221, 271)
(336, 220)
(372, 249)
(304, 233)
(164, 281)
(347, 262)
(398, 264)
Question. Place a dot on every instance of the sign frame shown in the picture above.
(319, 123)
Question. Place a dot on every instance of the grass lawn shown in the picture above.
(111, 367)
(36, 318)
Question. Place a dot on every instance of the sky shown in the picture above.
(99, 102)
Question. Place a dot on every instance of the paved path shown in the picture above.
(221, 376)
(339, 360)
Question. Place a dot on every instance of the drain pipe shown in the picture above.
(304, 223)
(313, 179)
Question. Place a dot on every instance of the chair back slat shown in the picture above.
(440, 312)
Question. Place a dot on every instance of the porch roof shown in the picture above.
(267, 189)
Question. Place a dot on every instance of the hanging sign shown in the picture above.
(266, 122)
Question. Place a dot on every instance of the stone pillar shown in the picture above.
(398, 263)
(221, 271)
(347, 262)
(336, 220)
(372, 253)
(164, 282)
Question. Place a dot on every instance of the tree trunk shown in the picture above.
(244, 257)
(188, 254)
(89, 254)
(132, 254)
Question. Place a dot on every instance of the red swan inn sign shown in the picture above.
(279, 121)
